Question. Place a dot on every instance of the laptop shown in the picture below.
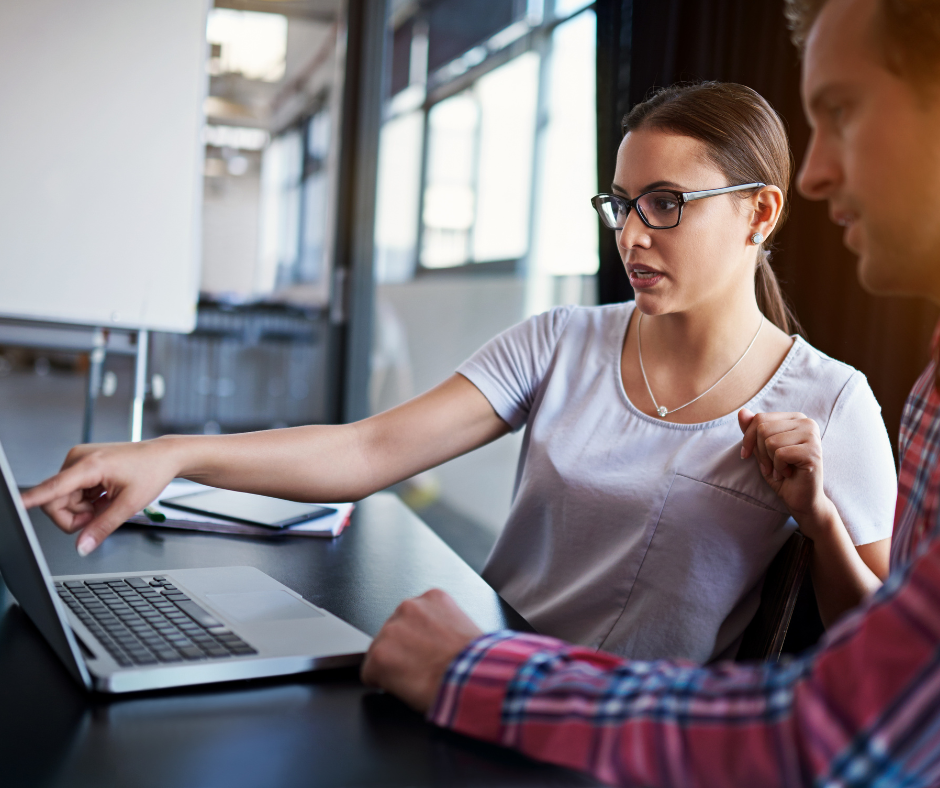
(134, 631)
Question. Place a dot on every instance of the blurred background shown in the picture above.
(387, 185)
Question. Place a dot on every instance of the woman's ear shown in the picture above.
(767, 208)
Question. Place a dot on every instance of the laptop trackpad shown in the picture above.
(254, 606)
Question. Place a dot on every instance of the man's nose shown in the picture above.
(820, 172)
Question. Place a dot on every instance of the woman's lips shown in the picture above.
(643, 278)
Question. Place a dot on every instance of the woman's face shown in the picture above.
(708, 258)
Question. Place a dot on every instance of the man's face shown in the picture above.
(874, 153)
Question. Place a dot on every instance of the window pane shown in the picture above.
(457, 26)
(399, 184)
(288, 239)
(250, 43)
(314, 232)
(312, 260)
(400, 77)
(566, 224)
(280, 204)
(565, 8)
(449, 199)
(318, 137)
(507, 99)
(479, 170)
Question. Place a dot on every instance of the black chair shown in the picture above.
(765, 635)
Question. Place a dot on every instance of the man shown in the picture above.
(863, 709)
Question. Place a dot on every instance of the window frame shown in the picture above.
(438, 88)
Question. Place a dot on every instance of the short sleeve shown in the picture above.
(509, 369)
(860, 477)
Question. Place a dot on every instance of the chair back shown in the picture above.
(763, 639)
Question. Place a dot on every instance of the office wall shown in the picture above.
(230, 216)
(428, 326)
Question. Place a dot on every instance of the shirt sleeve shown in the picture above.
(509, 369)
(863, 710)
(859, 474)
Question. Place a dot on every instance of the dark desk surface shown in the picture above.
(322, 729)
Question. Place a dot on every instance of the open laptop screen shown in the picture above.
(26, 575)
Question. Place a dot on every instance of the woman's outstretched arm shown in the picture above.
(101, 485)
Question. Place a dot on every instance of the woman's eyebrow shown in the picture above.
(661, 184)
(649, 187)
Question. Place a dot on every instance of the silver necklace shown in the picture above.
(661, 409)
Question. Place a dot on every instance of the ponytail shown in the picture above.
(770, 298)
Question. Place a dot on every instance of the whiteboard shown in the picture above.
(101, 161)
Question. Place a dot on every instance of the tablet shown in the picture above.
(248, 508)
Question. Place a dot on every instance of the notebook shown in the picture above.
(325, 527)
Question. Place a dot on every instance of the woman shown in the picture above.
(641, 522)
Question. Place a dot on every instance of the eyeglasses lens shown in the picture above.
(660, 209)
(613, 211)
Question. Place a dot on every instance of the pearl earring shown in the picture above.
(757, 238)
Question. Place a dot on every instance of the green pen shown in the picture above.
(153, 515)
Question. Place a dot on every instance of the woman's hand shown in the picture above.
(101, 485)
(788, 451)
(415, 646)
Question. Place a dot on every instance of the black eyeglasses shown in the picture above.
(660, 209)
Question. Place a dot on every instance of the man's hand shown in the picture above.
(413, 649)
(788, 451)
(101, 485)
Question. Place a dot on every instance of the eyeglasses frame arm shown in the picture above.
(701, 195)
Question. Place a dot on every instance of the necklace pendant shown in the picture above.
(661, 410)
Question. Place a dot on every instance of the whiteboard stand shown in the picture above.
(96, 365)
(98, 343)
(140, 385)
(96, 357)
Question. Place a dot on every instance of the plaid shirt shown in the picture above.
(863, 708)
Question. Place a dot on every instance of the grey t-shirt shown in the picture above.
(646, 538)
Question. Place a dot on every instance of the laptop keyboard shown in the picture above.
(143, 621)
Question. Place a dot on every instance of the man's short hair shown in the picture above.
(909, 32)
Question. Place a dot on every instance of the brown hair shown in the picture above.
(746, 140)
(909, 31)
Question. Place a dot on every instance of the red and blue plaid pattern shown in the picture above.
(861, 709)
(919, 477)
